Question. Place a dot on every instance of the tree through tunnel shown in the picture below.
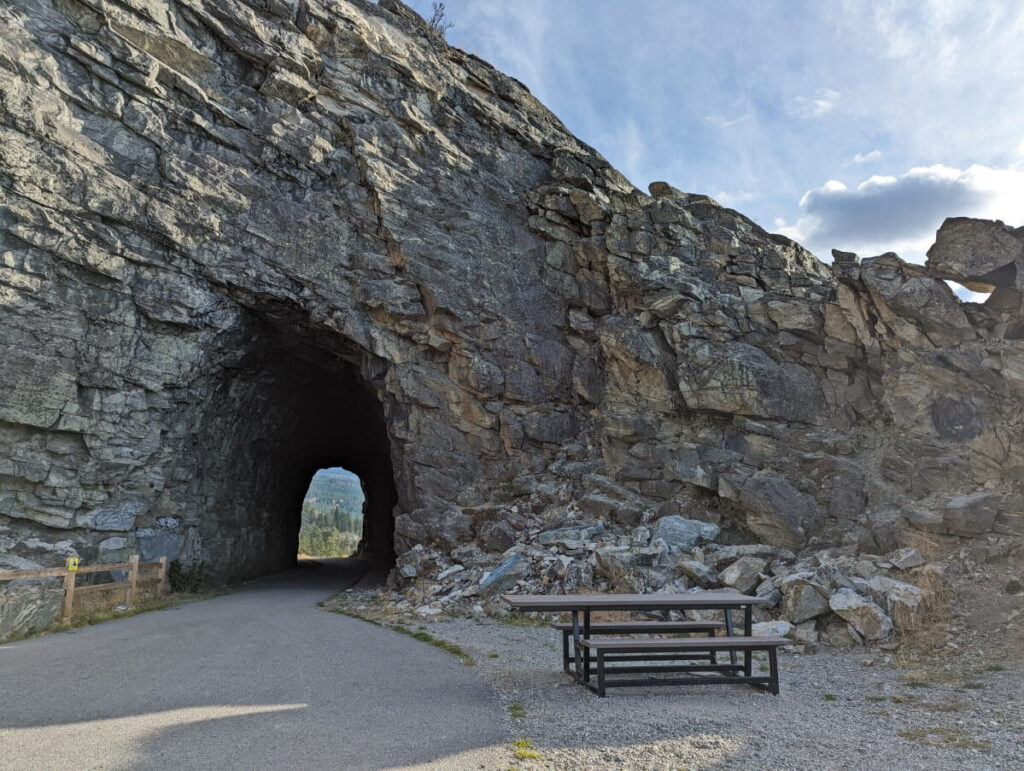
(288, 402)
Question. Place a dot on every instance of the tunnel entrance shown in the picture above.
(332, 514)
(289, 402)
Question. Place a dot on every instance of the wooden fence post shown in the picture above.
(69, 596)
(163, 575)
(133, 579)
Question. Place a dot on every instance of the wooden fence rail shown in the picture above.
(72, 569)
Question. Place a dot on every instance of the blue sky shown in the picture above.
(855, 125)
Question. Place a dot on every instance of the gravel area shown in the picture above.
(858, 709)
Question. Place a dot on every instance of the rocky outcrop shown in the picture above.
(240, 241)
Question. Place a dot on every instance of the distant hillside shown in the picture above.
(332, 514)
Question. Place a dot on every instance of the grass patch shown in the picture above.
(492, 655)
(160, 602)
(875, 698)
(994, 668)
(444, 645)
(944, 737)
(974, 686)
(522, 749)
(421, 635)
(830, 697)
(516, 710)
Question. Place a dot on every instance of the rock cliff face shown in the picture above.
(240, 241)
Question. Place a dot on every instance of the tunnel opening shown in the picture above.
(332, 515)
(289, 402)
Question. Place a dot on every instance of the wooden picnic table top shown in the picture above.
(563, 602)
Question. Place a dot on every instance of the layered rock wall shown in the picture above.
(243, 240)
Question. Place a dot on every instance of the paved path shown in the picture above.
(260, 678)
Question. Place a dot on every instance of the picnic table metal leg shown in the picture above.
(576, 648)
(728, 633)
(748, 630)
(565, 650)
(773, 661)
(586, 651)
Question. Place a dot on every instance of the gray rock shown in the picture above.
(572, 534)
(972, 514)
(617, 565)
(978, 252)
(869, 620)
(802, 597)
(776, 512)
(723, 555)
(905, 558)
(156, 544)
(699, 573)
(505, 576)
(782, 628)
(497, 536)
(119, 518)
(744, 574)
(681, 533)
(252, 255)
(837, 633)
(29, 605)
(902, 601)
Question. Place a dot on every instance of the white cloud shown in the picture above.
(901, 213)
(823, 101)
(861, 158)
(735, 198)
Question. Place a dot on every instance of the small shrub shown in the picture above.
(186, 579)
(516, 710)
(830, 697)
(438, 22)
(522, 749)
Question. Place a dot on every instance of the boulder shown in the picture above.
(782, 628)
(869, 620)
(972, 514)
(900, 600)
(573, 534)
(29, 605)
(616, 565)
(723, 555)
(910, 293)
(698, 572)
(777, 512)
(835, 632)
(983, 254)
(802, 597)
(905, 558)
(680, 533)
(497, 536)
(505, 576)
(744, 574)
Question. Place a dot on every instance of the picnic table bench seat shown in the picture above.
(610, 649)
(635, 627)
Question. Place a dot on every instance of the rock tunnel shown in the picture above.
(284, 405)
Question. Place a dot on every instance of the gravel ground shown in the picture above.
(859, 709)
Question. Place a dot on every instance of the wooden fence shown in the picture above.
(72, 569)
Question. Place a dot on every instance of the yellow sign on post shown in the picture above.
(72, 564)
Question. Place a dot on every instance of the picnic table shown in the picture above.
(588, 640)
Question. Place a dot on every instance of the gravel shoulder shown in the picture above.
(860, 708)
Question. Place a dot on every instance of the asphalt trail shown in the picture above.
(260, 678)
